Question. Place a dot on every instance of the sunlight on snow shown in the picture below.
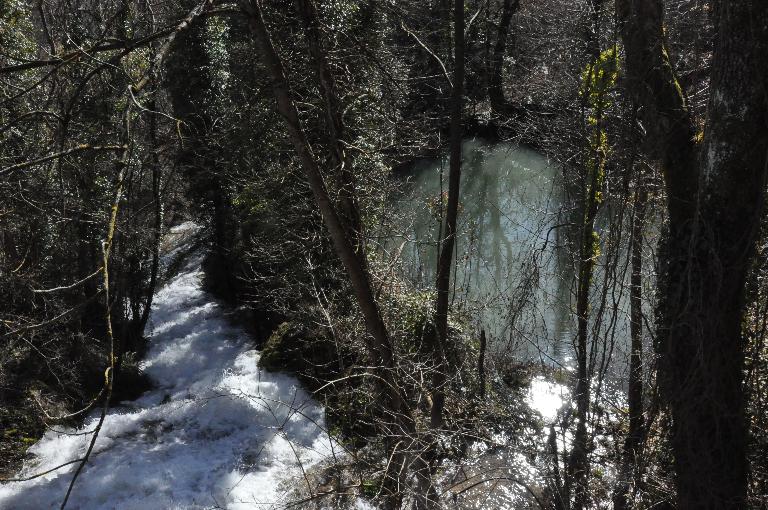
(215, 431)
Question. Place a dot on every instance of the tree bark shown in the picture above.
(715, 201)
(157, 227)
(481, 365)
(448, 242)
(636, 434)
(495, 83)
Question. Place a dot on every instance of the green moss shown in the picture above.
(272, 354)
(598, 79)
(595, 245)
(671, 72)
(370, 488)
(251, 201)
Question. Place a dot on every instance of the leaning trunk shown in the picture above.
(378, 342)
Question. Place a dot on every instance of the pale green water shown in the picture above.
(511, 273)
(514, 274)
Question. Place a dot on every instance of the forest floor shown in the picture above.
(215, 431)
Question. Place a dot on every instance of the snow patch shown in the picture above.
(217, 431)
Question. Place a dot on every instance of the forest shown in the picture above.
(378, 254)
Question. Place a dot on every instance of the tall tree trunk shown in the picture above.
(495, 83)
(481, 365)
(448, 243)
(715, 204)
(594, 167)
(378, 342)
(635, 437)
(588, 252)
(579, 462)
(157, 226)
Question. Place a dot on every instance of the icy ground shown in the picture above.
(215, 432)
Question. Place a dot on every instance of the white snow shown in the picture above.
(215, 432)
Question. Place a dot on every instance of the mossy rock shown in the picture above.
(20, 428)
(308, 353)
(272, 356)
(312, 355)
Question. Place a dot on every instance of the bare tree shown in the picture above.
(448, 241)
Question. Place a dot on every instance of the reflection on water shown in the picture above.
(514, 277)
(512, 272)
(546, 398)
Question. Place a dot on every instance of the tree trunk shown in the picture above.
(495, 83)
(378, 342)
(715, 204)
(157, 227)
(481, 365)
(589, 249)
(635, 437)
(448, 243)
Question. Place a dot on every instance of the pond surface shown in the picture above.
(514, 273)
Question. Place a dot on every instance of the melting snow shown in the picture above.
(216, 432)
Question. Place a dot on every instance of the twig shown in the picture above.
(38, 475)
(67, 287)
(49, 157)
(432, 53)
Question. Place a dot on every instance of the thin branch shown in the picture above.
(67, 287)
(49, 157)
(432, 53)
(38, 475)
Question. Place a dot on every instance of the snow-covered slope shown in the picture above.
(216, 432)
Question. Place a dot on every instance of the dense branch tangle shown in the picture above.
(111, 291)
(380, 349)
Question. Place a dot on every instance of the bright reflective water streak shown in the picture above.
(546, 398)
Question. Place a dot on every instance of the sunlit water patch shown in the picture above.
(546, 397)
